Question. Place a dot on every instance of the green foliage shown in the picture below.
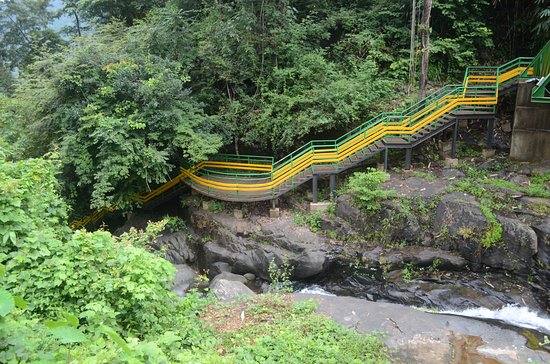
(216, 206)
(365, 188)
(312, 220)
(279, 276)
(493, 234)
(428, 176)
(174, 223)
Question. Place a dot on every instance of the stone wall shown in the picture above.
(531, 133)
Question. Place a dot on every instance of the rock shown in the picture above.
(229, 290)
(250, 276)
(318, 206)
(542, 230)
(229, 277)
(183, 278)
(179, 249)
(525, 170)
(238, 214)
(451, 162)
(420, 337)
(346, 210)
(449, 173)
(218, 267)
(249, 245)
(458, 211)
(517, 250)
(520, 179)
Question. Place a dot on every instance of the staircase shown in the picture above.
(248, 178)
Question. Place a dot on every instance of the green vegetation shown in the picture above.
(279, 277)
(428, 176)
(174, 223)
(76, 296)
(129, 90)
(312, 220)
(365, 189)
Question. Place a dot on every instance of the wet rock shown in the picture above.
(520, 179)
(229, 277)
(517, 250)
(542, 230)
(419, 337)
(418, 255)
(179, 249)
(183, 278)
(229, 290)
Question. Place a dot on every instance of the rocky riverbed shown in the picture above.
(423, 248)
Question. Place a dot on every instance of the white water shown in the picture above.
(315, 289)
(511, 314)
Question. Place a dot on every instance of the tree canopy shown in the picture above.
(144, 86)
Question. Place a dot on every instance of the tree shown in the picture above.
(124, 10)
(412, 51)
(25, 32)
(425, 31)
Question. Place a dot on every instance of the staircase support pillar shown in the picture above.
(455, 137)
(490, 133)
(408, 157)
(332, 186)
(314, 185)
(386, 153)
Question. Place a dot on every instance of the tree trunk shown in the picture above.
(77, 23)
(425, 29)
(412, 73)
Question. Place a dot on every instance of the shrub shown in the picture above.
(365, 188)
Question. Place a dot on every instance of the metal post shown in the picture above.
(386, 152)
(314, 184)
(273, 203)
(490, 132)
(408, 157)
(332, 186)
(455, 136)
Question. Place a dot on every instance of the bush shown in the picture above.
(365, 188)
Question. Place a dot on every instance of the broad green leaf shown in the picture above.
(20, 302)
(71, 319)
(6, 302)
(117, 339)
(50, 324)
(68, 334)
(2, 270)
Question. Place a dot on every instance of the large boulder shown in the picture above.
(542, 229)
(461, 224)
(183, 278)
(248, 246)
(179, 250)
(229, 290)
(517, 249)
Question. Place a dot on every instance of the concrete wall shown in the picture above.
(531, 132)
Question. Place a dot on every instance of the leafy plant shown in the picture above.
(174, 223)
(365, 188)
(279, 276)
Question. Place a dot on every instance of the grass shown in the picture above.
(428, 176)
(272, 328)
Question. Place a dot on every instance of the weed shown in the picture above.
(279, 277)
(428, 176)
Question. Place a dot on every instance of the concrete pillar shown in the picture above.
(490, 133)
(455, 137)
(531, 132)
(314, 187)
(408, 157)
(332, 185)
(386, 152)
